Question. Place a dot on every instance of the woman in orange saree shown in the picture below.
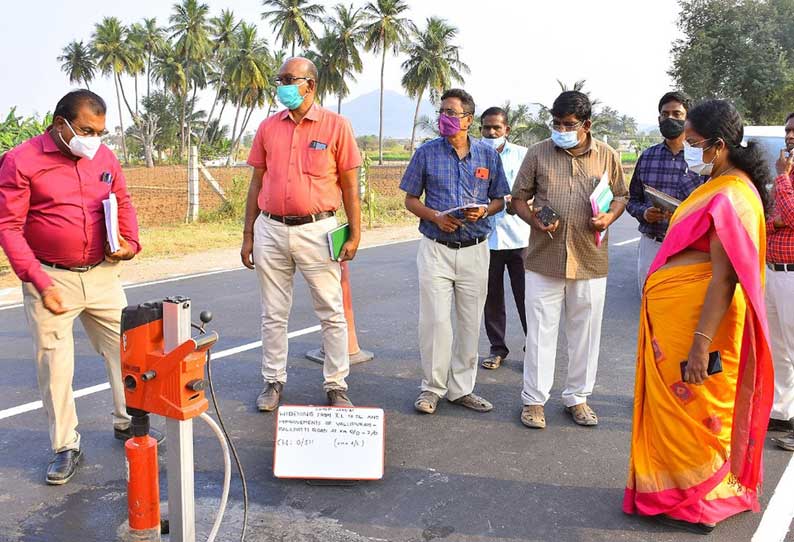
(698, 431)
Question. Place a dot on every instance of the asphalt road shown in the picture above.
(457, 475)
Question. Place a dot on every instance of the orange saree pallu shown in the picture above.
(696, 451)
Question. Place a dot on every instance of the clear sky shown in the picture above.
(516, 49)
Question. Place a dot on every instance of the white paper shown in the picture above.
(467, 206)
(314, 442)
(111, 208)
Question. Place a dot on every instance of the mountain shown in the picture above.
(398, 113)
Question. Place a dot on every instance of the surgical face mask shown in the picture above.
(694, 160)
(448, 126)
(289, 96)
(494, 143)
(671, 128)
(83, 146)
(565, 140)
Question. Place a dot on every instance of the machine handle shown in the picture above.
(206, 341)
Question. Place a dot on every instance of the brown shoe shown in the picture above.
(338, 398)
(582, 414)
(474, 402)
(492, 362)
(533, 416)
(270, 396)
(426, 402)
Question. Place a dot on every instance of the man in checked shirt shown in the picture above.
(780, 291)
(661, 167)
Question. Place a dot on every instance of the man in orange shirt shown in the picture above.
(305, 161)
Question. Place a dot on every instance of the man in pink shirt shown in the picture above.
(305, 161)
(52, 228)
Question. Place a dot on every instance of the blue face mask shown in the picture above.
(565, 140)
(289, 96)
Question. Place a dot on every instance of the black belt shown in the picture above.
(654, 238)
(299, 220)
(81, 269)
(780, 266)
(461, 244)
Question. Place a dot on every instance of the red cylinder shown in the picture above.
(143, 484)
(347, 299)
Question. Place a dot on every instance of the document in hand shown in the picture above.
(461, 207)
(336, 238)
(600, 200)
(660, 200)
(111, 208)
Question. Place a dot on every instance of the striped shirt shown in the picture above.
(557, 178)
(659, 168)
(780, 241)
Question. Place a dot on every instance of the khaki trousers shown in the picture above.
(278, 251)
(450, 367)
(97, 298)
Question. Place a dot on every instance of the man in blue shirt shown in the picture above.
(462, 181)
(508, 241)
(662, 167)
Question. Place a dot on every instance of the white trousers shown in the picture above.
(646, 253)
(780, 312)
(278, 251)
(584, 309)
(449, 362)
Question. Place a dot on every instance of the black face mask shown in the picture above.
(671, 128)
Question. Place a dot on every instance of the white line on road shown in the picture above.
(776, 522)
(35, 405)
(628, 242)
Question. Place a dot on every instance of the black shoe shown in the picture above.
(780, 425)
(126, 434)
(338, 398)
(696, 528)
(786, 442)
(63, 466)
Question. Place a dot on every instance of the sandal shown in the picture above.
(474, 402)
(533, 416)
(696, 528)
(582, 415)
(492, 362)
(426, 402)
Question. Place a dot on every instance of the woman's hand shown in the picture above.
(697, 362)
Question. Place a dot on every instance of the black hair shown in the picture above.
(676, 96)
(718, 119)
(69, 105)
(572, 102)
(789, 117)
(465, 99)
(494, 111)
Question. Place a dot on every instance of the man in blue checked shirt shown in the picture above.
(453, 172)
(662, 167)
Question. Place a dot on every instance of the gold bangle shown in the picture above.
(704, 336)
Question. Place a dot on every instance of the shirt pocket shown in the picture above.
(317, 162)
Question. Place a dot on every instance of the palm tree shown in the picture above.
(78, 63)
(385, 29)
(290, 19)
(151, 41)
(112, 56)
(349, 34)
(190, 30)
(222, 35)
(329, 79)
(433, 63)
(137, 55)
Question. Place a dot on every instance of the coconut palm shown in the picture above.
(433, 63)
(222, 30)
(78, 63)
(137, 56)
(290, 19)
(112, 57)
(151, 40)
(385, 29)
(347, 28)
(329, 78)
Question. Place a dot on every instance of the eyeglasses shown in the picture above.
(453, 113)
(565, 126)
(288, 80)
(697, 144)
(88, 132)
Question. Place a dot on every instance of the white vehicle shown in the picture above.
(772, 139)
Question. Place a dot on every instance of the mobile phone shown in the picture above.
(714, 366)
(547, 215)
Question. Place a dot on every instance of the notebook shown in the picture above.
(600, 200)
(336, 238)
(111, 208)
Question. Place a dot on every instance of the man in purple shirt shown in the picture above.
(662, 167)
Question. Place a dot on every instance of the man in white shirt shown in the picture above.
(507, 243)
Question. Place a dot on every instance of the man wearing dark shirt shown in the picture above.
(661, 167)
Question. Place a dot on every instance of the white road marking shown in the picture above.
(628, 242)
(776, 522)
(35, 405)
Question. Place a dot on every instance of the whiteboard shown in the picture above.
(332, 443)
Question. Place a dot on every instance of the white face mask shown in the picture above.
(694, 160)
(83, 146)
(494, 143)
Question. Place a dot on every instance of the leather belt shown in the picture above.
(780, 266)
(80, 269)
(299, 220)
(654, 238)
(461, 244)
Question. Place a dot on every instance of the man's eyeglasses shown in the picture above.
(88, 132)
(453, 113)
(287, 80)
(565, 126)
